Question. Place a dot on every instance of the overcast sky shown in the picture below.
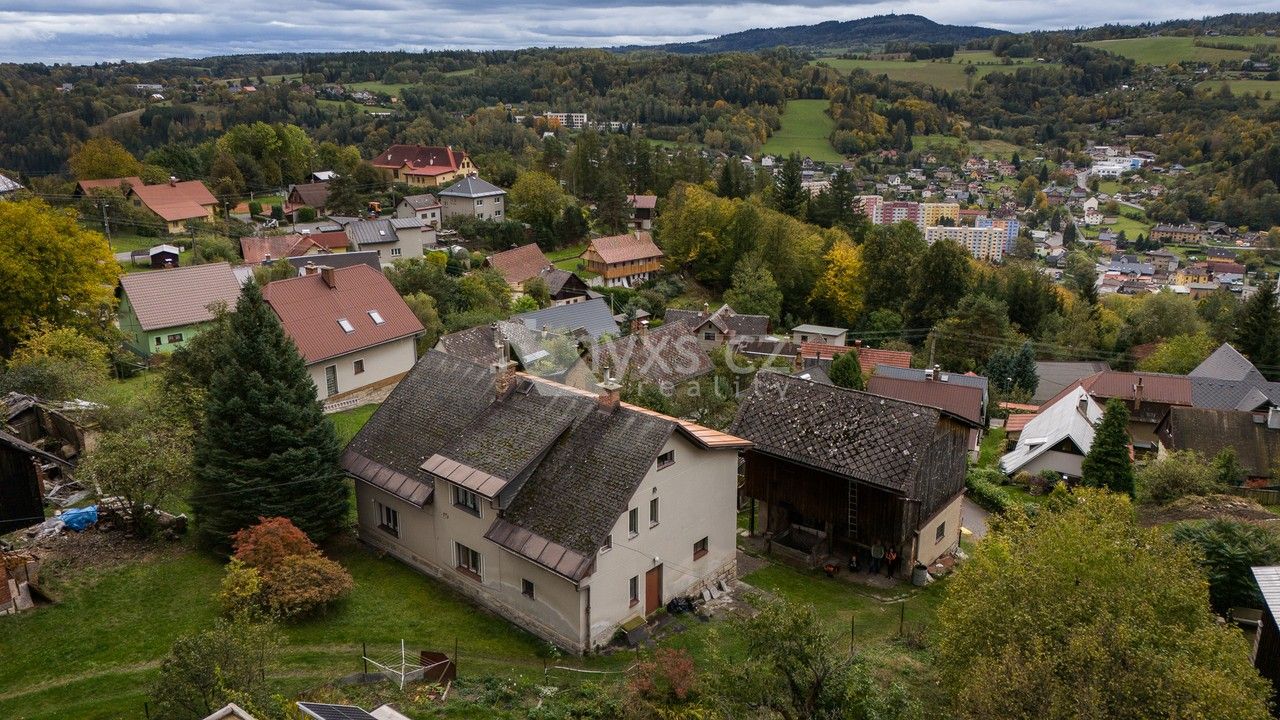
(85, 31)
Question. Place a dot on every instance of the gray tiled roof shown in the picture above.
(472, 187)
(1226, 363)
(593, 316)
(410, 426)
(853, 434)
(572, 467)
(977, 381)
(666, 355)
(725, 320)
(371, 232)
(1056, 376)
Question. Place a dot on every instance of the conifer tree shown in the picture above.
(789, 193)
(1258, 333)
(1108, 464)
(846, 371)
(267, 449)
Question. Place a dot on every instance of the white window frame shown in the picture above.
(633, 522)
(395, 252)
(633, 590)
(388, 520)
(346, 325)
(654, 512)
(376, 316)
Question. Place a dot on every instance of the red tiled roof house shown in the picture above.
(624, 260)
(423, 165)
(175, 203)
(352, 328)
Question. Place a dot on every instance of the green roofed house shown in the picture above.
(163, 309)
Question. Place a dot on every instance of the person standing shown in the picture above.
(890, 561)
(877, 557)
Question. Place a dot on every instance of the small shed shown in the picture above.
(164, 256)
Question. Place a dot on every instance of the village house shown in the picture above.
(257, 250)
(1253, 436)
(176, 203)
(963, 394)
(820, 334)
(566, 288)
(623, 260)
(665, 357)
(162, 310)
(811, 355)
(1176, 234)
(835, 471)
(643, 208)
(8, 187)
(722, 327)
(424, 166)
(313, 195)
(426, 207)
(1055, 438)
(599, 515)
(305, 264)
(353, 330)
(392, 238)
(472, 197)
(1147, 395)
(519, 264)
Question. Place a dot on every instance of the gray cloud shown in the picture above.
(93, 30)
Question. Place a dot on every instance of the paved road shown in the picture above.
(974, 518)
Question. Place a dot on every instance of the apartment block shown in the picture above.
(982, 243)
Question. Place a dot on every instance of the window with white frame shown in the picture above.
(634, 588)
(376, 317)
(653, 512)
(346, 325)
(468, 560)
(395, 252)
(608, 543)
(466, 500)
(633, 521)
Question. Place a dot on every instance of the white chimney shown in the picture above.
(1273, 418)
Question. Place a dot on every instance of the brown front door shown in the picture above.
(652, 590)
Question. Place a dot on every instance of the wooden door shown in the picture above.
(652, 590)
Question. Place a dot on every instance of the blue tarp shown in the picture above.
(80, 518)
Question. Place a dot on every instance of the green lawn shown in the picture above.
(1165, 50)
(348, 422)
(806, 127)
(184, 260)
(1246, 87)
(992, 448)
(567, 253)
(940, 73)
(461, 73)
(128, 242)
(359, 108)
(375, 87)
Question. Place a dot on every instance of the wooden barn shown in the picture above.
(836, 471)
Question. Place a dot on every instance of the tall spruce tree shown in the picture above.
(267, 449)
(1108, 464)
(846, 371)
(1258, 329)
(789, 195)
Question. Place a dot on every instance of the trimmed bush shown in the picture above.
(985, 490)
(255, 207)
(303, 584)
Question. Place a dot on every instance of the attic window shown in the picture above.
(377, 317)
(346, 325)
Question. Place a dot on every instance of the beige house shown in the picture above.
(175, 203)
(426, 207)
(393, 239)
(722, 327)
(568, 513)
(473, 197)
(353, 330)
(423, 165)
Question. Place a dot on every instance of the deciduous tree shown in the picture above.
(103, 157)
(753, 290)
(1112, 621)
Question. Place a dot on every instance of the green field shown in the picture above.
(998, 149)
(940, 74)
(1165, 50)
(1246, 87)
(375, 86)
(806, 127)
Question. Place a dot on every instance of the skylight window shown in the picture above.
(377, 317)
(346, 325)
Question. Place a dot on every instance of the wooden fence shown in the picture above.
(1262, 496)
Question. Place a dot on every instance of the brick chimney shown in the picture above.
(310, 268)
(610, 393)
(504, 378)
(326, 274)
(937, 373)
(644, 328)
(857, 343)
(1137, 394)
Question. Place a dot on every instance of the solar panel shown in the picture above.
(321, 711)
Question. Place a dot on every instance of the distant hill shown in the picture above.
(863, 34)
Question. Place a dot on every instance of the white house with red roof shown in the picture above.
(423, 165)
(350, 325)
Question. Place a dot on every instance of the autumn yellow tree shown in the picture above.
(841, 289)
(54, 271)
(102, 157)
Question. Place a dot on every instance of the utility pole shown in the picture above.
(106, 225)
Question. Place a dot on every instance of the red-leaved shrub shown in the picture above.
(271, 541)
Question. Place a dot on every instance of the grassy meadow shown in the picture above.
(1165, 50)
(805, 129)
